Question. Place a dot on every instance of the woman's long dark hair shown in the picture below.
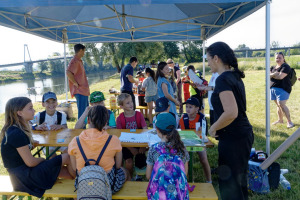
(151, 72)
(98, 116)
(226, 54)
(174, 138)
(159, 72)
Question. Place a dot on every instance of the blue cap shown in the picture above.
(193, 101)
(165, 121)
(161, 104)
(49, 95)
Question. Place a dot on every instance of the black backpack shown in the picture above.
(293, 76)
(43, 116)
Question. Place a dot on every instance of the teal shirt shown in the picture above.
(111, 121)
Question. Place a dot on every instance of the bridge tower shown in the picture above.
(27, 64)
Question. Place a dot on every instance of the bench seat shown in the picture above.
(131, 190)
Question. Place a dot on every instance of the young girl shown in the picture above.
(170, 144)
(172, 80)
(27, 173)
(92, 141)
(186, 84)
(150, 87)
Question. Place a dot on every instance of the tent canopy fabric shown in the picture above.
(91, 21)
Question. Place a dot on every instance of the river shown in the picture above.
(34, 89)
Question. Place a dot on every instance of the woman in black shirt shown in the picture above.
(281, 88)
(231, 126)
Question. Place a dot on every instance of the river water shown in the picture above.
(34, 89)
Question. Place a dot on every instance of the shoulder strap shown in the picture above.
(42, 117)
(103, 149)
(200, 120)
(186, 121)
(81, 151)
(59, 117)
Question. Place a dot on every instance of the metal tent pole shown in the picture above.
(268, 77)
(65, 40)
(203, 57)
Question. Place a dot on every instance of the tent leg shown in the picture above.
(268, 77)
(66, 78)
(203, 58)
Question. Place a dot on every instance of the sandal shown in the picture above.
(277, 122)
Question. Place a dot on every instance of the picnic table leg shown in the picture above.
(47, 152)
(4, 197)
(51, 154)
(29, 198)
(21, 197)
(191, 167)
(38, 152)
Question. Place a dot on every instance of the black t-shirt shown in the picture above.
(240, 127)
(284, 83)
(14, 139)
(175, 74)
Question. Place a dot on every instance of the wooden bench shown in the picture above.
(131, 190)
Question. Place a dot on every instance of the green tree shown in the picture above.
(246, 51)
(296, 51)
(43, 66)
(56, 66)
(171, 49)
(192, 50)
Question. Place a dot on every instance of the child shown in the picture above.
(188, 121)
(162, 105)
(171, 145)
(131, 119)
(50, 118)
(27, 173)
(172, 80)
(150, 88)
(141, 92)
(186, 84)
(96, 98)
(92, 141)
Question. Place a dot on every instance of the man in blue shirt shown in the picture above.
(127, 78)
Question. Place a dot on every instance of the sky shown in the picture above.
(285, 29)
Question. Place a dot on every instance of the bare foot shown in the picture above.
(277, 122)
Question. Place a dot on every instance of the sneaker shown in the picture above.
(138, 178)
(290, 125)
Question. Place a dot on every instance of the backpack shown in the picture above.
(293, 76)
(186, 121)
(43, 116)
(168, 180)
(123, 121)
(92, 181)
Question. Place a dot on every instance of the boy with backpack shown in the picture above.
(188, 121)
(167, 162)
(96, 98)
(50, 118)
(162, 105)
(131, 119)
(97, 157)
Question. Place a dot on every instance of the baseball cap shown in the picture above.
(193, 101)
(165, 121)
(49, 95)
(139, 73)
(96, 96)
(162, 104)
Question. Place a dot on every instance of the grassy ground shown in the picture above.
(255, 89)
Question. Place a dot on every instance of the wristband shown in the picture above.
(33, 126)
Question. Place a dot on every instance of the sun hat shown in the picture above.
(97, 96)
(165, 121)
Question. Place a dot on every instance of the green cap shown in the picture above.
(96, 97)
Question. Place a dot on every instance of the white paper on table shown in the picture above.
(152, 137)
(134, 138)
(194, 77)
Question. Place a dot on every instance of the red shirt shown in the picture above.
(77, 69)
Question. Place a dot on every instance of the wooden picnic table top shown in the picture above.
(50, 138)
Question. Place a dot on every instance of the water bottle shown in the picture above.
(284, 171)
(284, 183)
(252, 152)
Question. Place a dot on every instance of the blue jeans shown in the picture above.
(82, 103)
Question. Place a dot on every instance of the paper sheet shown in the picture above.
(133, 137)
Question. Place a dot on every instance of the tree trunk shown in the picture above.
(115, 59)
(185, 54)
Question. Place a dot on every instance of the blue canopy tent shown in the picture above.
(87, 21)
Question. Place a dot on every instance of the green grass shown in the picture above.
(255, 91)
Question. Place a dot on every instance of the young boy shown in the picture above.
(141, 93)
(131, 119)
(50, 118)
(96, 98)
(162, 105)
(188, 121)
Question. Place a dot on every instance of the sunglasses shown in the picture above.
(279, 53)
(169, 62)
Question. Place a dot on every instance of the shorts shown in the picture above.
(279, 94)
(148, 99)
(142, 101)
(139, 160)
(116, 179)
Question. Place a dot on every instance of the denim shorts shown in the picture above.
(279, 94)
(151, 98)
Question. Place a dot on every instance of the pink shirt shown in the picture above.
(77, 69)
(135, 122)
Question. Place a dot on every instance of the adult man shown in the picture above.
(127, 78)
(79, 86)
(177, 73)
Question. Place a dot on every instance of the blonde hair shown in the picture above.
(13, 119)
(122, 97)
(171, 74)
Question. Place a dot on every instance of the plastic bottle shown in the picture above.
(252, 152)
(284, 183)
(284, 171)
(113, 102)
